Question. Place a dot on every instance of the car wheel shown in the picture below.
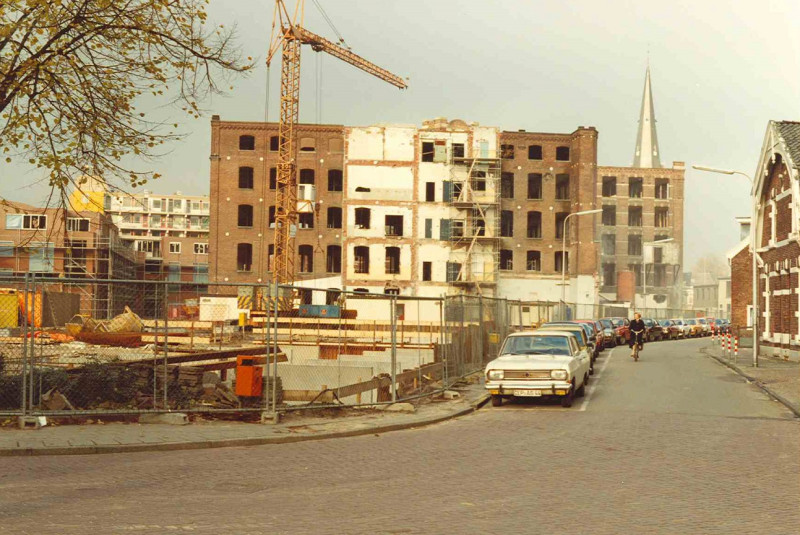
(566, 401)
(591, 369)
(497, 401)
(582, 390)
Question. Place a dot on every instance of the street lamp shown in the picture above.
(754, 281)
(564, 260)
(644, 267)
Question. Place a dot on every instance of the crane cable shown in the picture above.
(330, 23)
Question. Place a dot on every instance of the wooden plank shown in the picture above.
(307, 395)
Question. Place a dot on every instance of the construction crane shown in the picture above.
(288, 35)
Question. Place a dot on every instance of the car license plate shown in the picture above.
(528, 393)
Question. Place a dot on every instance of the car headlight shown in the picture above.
(560, 375)
(494, 375)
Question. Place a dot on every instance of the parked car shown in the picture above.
(621, 329)
(539, 363)
(586, 342)
(653, 330)
(683, 329)
(696, 328)
(671, 331)
(609, 334)
(597, 335)
(721, 326)
(706, 327)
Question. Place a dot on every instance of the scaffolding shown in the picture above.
(474, 196)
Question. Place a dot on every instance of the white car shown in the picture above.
(539, 363)
(685, 330)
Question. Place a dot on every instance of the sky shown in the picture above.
(721, 69)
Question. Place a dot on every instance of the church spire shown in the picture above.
(647, 152)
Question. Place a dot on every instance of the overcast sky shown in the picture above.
(720, 70)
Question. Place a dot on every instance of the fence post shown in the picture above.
(166, 342)
(462, 339)
(23, 390)
(32, 334)
(481, 329)
(442, 341)
(393, 327)
(275, 353)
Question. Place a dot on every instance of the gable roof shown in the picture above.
(790, 133)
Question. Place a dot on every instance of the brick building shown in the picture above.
(776, 202)
(741, 263)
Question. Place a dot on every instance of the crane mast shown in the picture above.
(289, 35)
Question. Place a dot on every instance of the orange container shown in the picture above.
(248, 377)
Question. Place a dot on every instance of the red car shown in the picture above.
(621, 329)
(598, 333)
(670, 329)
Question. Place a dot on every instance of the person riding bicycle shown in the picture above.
(637, 329)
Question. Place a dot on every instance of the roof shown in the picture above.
(790, 132)
(540, 332)
(647, 152)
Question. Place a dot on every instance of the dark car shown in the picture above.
(654, 331)
(597, 333)
(670, 330)
(609, 336)
(621, 329)
(721, 326)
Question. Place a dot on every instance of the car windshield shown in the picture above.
(664, 323)
(618, 322)
(537, 345)
(569, 327)
(677, 322)
(702, 321)
(691, 322)
(606, 324)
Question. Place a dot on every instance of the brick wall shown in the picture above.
(741, 286)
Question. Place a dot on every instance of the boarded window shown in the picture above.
(634, 216)
(334, 180)
(362, 218)
(244, 256)
(336, 145)
(308, 144)
(306, 176)
(305, 220)
(562, 154)
(609, 217)
(635, 188)
(306, 257)
(245, 178)
(245, 215)
(361, 259)
(427, 271)
(507, 185)
(392, 260)
(506, 259)
(333, 259)
(534, 185)
(507, 224)
(562, 187)
(609, 186)
(334, 217)
(429, 228)
(247, 143)
(533, 261)
(274, 143)
(534, 224)
(534, 152)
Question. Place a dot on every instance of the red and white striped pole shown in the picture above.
(736, 347)
(713, 334)
(730, 345)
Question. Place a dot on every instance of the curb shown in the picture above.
(789, 405)
(236, 442)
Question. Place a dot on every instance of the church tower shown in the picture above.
(647, 151)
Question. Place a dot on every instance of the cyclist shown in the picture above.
(637, 328)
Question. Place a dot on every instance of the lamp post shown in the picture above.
(564, 260)
(753, 220)
(644, 267)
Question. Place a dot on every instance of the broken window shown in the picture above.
(562, 187)
(247, 143)
(333, 259)
(245, 178)
(534, 185)
(479, 223)
(659, 275)
(534, 224)
(507, 152)
(308, 144)
(610, 274)
(507, 185)
(533, 261)
(392, 260)
(362, 189)
(458, 150)
(273, 178)
(334, 217)
(244, 256)
(635, 244)
(662, 188)
(77, 224)
(634, 216)
(561, 224)
(636, 269)
(478, 182)
(562, 154)
(507, 224)
(430, 192)
(306, 176)
(306, 256)
(270, 255)
(506, 259)
(362, 218)
(427, 151)
(361, 259)
(453, 273)
(609, 215)
(274, 143)
(561, 261)
(662, 217)
(394, 225)
(635, 188)
(658, 255)
(271, 216)
(534, 152)
(457, 228)
(427, 271)
(609, 186)
(334, 180)
(609, 244)
(305, 220)
(245, 215)
(336, 145)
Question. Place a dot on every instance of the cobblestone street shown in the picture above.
(675, 443)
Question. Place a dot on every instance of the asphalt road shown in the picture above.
(675, 443)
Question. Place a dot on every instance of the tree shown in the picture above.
(708, 268)
(72, 73)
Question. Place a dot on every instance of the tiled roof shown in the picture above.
(790, 132)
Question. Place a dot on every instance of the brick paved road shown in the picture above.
(675, 443)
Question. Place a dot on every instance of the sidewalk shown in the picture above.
(779, 378)
(294, 427)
